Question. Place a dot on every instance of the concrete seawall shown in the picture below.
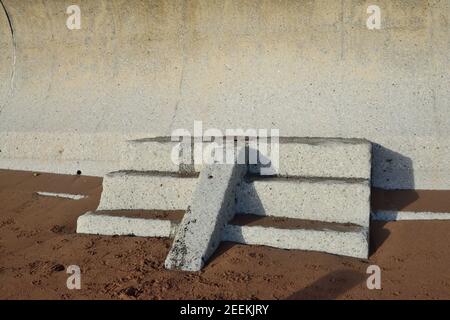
(70, 98)
(6, 58)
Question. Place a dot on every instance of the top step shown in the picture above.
(305, 157)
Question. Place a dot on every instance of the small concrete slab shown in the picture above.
(107, 223)
(213, 206)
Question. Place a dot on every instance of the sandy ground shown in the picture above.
(38, 241)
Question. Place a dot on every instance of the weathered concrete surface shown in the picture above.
(306, 157)
(351, 243)
(146, 190)
(212, 207)
(328, 158)
(151, 155)
(310, 68)
(61, 153)
(104, 224)
(280, 197)
(354, 242)
(6, 58)
(311, 199)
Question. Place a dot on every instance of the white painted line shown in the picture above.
(409, 215)
(61, 195)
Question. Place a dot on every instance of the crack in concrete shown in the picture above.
(13, 71)
(182, 42)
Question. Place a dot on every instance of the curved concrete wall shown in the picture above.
(310, 68)
(6, 58)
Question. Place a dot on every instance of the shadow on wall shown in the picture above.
(331, 286)
(390, 170)
(254, 206)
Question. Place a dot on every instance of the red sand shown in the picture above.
(38, 240)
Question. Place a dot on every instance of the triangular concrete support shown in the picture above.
(213, 206)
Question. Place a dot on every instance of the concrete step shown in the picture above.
(311, 157)
(323, 199)
(341, 239)
(329, 200)
(325, 157)
(133, 190)
(140, 223)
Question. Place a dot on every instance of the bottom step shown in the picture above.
(284, 233)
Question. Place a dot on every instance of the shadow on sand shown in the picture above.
(330, 286)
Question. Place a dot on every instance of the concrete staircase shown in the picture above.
(319, 200)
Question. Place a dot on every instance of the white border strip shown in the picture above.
(409, 215)
(62, 195)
